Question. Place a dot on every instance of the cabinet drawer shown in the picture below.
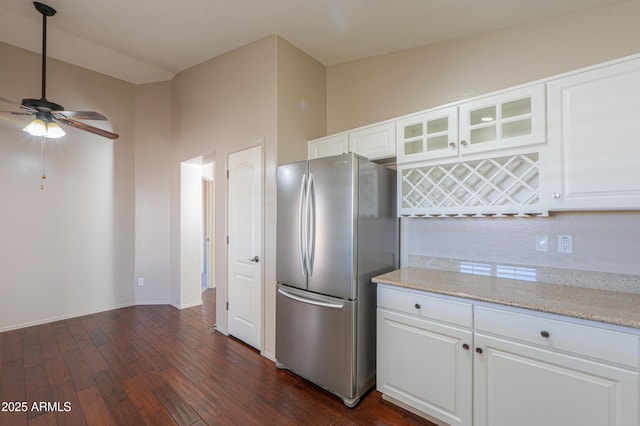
(426, 306)
(608, 345)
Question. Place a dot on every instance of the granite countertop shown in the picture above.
(611, 307)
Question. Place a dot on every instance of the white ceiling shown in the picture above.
(142, 41)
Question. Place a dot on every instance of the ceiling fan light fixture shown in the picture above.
(41, 126)
(37, 127)
(54, 131)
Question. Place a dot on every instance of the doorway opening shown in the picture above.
(197, 230)
(208, 233)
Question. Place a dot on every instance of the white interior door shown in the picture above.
(245, 245)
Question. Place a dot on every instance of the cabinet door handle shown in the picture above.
(464, 143)
(452, 145)
(479, 350)
(555, 195)
(417, 306)
(465, 347)
(545, 334)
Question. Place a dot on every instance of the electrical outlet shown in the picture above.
(141, 281)
(542, 243)
(565, 244)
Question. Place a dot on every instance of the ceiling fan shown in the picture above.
(48, 114)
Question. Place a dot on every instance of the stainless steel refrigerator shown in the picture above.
(337, 228)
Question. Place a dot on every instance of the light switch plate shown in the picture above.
(542, 243)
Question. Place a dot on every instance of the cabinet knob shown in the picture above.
(545, 334)
(464, 143)
(465, 347)
(452, 145)
(417, 306)
(555, 195)
(479, 350)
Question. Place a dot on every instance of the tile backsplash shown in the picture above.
(627, 283)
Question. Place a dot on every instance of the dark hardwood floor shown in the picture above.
(156, 365)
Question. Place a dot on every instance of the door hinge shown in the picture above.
(227, 306)
(227, 174)
(227, 239)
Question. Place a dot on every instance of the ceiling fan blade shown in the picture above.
(16, 113)
(31, 110)
(87, 128)
(9, 101)
(14, 119)
(81, 115)
(19, 105)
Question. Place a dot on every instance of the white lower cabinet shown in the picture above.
(518, 384)
(486, 365)
(421, 362)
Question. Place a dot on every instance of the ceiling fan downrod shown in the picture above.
(42, 104)
(45, 11)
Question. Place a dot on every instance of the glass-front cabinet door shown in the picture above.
(510, 119)
(429, 135)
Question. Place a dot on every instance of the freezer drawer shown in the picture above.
(315, 339)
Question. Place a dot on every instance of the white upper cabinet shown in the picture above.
(509, 119)
(594, 139)
(372, 142)
(476, 158)
(328, 146)
(429, 135)
(569, 142)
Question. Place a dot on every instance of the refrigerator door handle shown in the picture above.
(311, 225)
(302, 225)
(310, 301)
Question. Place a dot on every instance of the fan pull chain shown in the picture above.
(43, 175)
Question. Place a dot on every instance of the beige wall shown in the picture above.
(301, 102)
(268, 93)
(222, 106)
(152, 188)
(388, 86)
(66, 250)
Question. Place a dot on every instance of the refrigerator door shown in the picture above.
(332, 224)
(292, 234)
(315, 339)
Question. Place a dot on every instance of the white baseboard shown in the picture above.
(186, 305)
(268, 355)
(64, 317)
(152, 302)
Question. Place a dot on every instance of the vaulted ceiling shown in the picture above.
(143, 41)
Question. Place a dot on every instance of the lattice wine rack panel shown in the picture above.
(507, 185)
